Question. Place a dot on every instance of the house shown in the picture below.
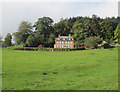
(64, 42)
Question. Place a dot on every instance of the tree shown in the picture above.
(92, 42)
(107, 29)
(30, 40)
(51, 40)
(80, 33)
(43, 27)
(34, 40)
(7, 41)
(62, 28)
(95, 28)
(117, 31)
(0, 39)
(24, 30)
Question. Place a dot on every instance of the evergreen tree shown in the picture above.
(7, 41)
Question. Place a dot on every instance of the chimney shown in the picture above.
(69, 35)
(58, 35)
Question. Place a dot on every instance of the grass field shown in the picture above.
(95, 69)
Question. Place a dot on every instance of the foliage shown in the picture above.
(24, 30)
(79, 33)
(62, 28)
(92, 42)
(34, 40)
(51, 40)
(43, 30)
(1, 40)
(106, 45)
(95, 27)
(107, 28)
(79, 27)
(117, 31)
(7, 40)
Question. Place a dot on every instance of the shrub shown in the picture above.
(106, 45)
(98, 40)
(49, 49)
(28, 49)
(92, 42)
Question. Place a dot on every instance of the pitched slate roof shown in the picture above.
(64, 38)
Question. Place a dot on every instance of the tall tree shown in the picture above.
(63, 27)
(44, 27)
(8, 40)
(1, 40)
(24, 30)
(107, 30)
(51, 40)
(117, 31)
(95, 28)
(80, 33)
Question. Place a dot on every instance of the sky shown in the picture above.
(13, 13)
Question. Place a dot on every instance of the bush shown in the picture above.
(98, 40)
(48, 49)
(28, 49)
(92, 42)
(106, 45)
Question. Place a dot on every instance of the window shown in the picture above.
(68, 46)
(62, 42)
(68, 42)
(65, 42)
(57, 42)
(57, 46)
(71, 42)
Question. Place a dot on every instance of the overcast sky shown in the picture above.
(13, 13)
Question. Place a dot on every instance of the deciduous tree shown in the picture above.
(24, 30)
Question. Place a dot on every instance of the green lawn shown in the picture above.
(95, 69)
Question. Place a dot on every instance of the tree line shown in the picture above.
(80, 28)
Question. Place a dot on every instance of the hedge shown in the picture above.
(49, 49)
(28, 49)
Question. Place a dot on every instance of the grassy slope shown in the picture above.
(75, 70)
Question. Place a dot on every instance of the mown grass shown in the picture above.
(95, 69)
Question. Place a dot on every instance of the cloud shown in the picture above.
(59, 1)
(106, 9)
